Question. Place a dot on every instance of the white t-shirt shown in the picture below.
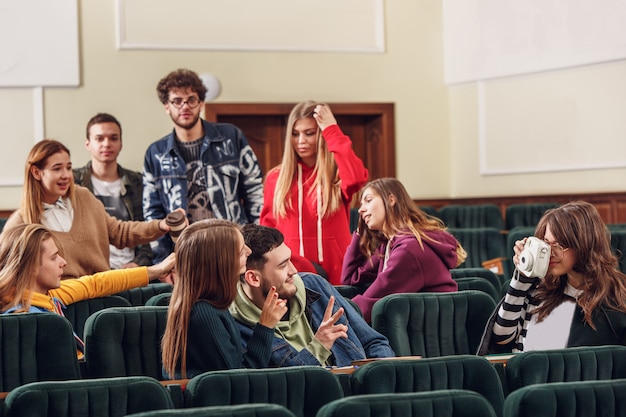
(553, 331)
(109, 194)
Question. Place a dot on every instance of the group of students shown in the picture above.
(237, 290)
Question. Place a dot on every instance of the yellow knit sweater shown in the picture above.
(86, 246)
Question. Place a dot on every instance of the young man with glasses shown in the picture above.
(119, 189)
(209, 169)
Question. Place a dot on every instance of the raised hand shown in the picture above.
(328, 331)
(273, 309)
(324, 116)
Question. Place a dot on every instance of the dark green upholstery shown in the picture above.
(125, 341)
(526, 214)
(466, 372)
(618, 244)
(485, 273)
(138, 296)
(301, 389)
(513, 236)
(162, 299)
(568, 399)
(110, 397)
(243, 410)
(349, 291)
(480, 284)
(587, 363)
(36, 347)
(3, 221)
(433, 324)
(447, 403)
(481, 244)
(77, 313)
(472, 216)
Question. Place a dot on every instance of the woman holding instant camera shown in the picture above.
(574, 296)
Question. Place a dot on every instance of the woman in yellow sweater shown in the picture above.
(73, 214)
(31, 269)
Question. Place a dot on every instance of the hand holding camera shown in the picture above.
(534, 259)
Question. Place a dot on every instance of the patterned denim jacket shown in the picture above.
(234, 179)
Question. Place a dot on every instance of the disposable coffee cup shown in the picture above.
(176, 221)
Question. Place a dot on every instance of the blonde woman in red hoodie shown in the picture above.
(308, 196)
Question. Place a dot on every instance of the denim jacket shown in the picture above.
(131, 197)
(362, 342)
(235, 181)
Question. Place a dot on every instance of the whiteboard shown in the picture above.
(486, 39)
(39, 43)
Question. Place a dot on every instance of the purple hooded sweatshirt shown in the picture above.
(409, 268)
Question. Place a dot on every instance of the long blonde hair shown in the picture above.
(207, 268)
(325, 172)
(32, 195)
(21, 249)
(402, 215)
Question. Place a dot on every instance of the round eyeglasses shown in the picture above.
(556, 249)
(178, 102)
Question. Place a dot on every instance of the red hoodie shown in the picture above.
(335, 237)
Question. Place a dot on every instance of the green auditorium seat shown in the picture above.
(568, 399)
(485, 273)
(433, 324)
(526, 214)
(138, 296)
(243, 410)
(464, 216)
(108, 397)
(446, 403)
(586, 363)
(77, 313)
(459, 372)
(301, 389)
(480, 284)
(36, 347)
(481, 244)
(125, 342)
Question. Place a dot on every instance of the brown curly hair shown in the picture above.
(181, 78)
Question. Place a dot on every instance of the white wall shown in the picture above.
(437, 130)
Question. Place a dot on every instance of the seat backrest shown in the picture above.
(125, 342)
(108, 397)
(162, 299)
(36, 347)
(618, 244)
(446, 403)
(480, 284)
(242, 410)
(526, 214)
(513, 236)
(472, 216)
(568, 399)
(301, 389)
(433, 324)
(485, 273)
(77, 313)
(465, 372)
(586, 363)
(481, 244)
(139, 295)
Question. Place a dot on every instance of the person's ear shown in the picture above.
(252, 278)
(392, 200)
(87, 143)
(36, 173)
